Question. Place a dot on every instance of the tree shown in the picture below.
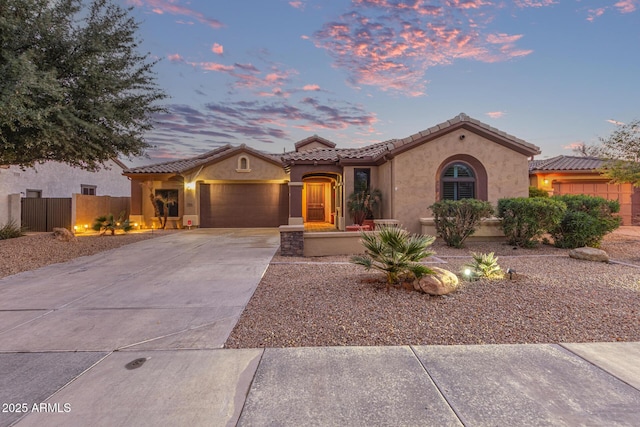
(621, 152)
(74, 88)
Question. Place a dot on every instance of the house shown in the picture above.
(243, 187)
(56, 180)
(580, 175)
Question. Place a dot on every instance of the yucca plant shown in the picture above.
(10, 230)
(483, 266)
(395, 252)
(108, 223)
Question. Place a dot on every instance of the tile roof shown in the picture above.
(336, 154)
(314, 138)
(463, 118)
(180, 166)
(566, 163)
(330, 154)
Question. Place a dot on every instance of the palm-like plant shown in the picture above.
(108, 223)
(483, 266)
(395, 252)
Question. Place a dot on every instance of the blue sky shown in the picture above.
(268, 73)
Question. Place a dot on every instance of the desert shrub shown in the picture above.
(537, 192)
(10, 230)
(586, 221)
(107, 223)
(483, 266)
(456, 220)
(525, 220)
(395, 252)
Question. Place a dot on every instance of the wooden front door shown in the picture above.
(315, 202)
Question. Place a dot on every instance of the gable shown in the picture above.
(242, 165)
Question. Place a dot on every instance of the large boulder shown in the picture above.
(589, 254)
(440, 283)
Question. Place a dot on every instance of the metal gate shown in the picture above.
(45, 214)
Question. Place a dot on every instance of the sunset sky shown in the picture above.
(268, 73)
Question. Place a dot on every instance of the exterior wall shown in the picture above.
(385, 184)
(489, 229)
(147, 219)
(60, 180)
(415, 181)
(57, 180)
(227, 170)
(85, 209)
(332, 243)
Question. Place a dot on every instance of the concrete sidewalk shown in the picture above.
(133, 337)
(495, 385)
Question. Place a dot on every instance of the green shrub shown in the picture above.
(537, 192)
(456, 220)
(586, 221)
(483, 266)
(10, 230)
(395, 252)
(108, 223)
(525, 220)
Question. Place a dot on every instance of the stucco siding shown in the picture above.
(229, 170)
(60, 180)
(416, 170)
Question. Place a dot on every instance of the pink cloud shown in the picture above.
(496, 114)
(218, 49)
(615, 122)
(170, 6)
(297, 4)
(574, 145)
(213, 66)
(391, 44)
(626, 6)
(176, 57)
(311, 88)
(595, 13)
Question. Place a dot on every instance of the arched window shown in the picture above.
(458, 182)
(243, 164)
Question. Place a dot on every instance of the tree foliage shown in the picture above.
(621, 152)
(74, 88)
(526, 219)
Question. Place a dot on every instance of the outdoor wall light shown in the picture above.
(461, 137)
(190, 186)
(546, 181)
(86, 227)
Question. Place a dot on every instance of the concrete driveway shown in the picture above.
(184, 290)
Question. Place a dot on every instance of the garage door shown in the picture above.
(620, 192)
(243, 205)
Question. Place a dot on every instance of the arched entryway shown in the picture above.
(321, 199)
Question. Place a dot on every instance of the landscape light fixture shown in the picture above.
(511, 272)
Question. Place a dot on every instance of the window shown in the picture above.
(88, 190)
(458, 182)
(167, 199)
(361, 179)
(243, 164)
(34, 194)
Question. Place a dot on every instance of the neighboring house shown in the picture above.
(243, 187)
(580, 175)
(56, 180)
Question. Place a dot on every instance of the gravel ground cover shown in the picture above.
(553, 298)
(41, 249)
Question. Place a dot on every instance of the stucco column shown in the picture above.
(295, 203)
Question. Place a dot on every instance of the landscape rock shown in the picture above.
(441, 283)
(589, 254)
(63, 235)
